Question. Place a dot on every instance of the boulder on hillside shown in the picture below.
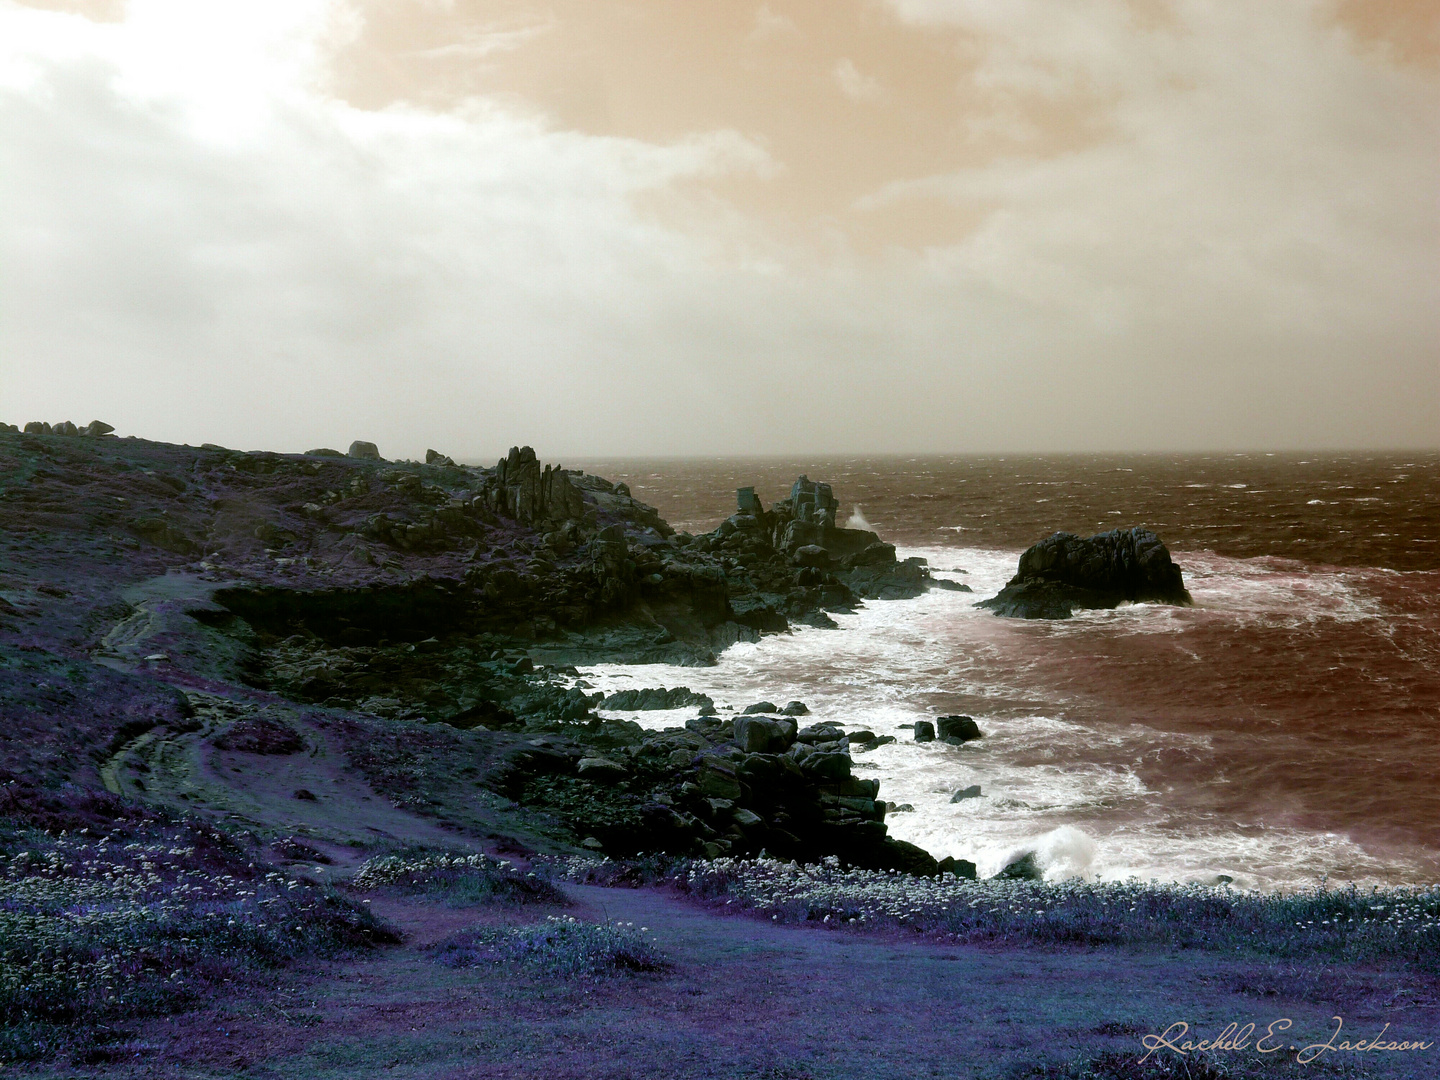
(367, 451)
(1065, 572)
(601, 769)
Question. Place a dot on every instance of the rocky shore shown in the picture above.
(435, 609)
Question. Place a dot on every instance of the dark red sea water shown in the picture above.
(1300, 697)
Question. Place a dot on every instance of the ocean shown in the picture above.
(1282, 731)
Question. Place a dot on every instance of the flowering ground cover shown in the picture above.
(460, 879)
(96, 928)
(560, 947)
(1339, 924)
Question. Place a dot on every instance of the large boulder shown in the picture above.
(600, 768)
(761, 735)
(1066, 572)
(366, 451)
(961, 868)
(827, 765)
(956, 729)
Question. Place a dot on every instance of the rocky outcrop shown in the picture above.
(95, 429)
(1065, 573)
(433, 604)
(533, 494)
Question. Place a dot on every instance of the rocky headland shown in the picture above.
(1065, 573)
(300, 777)
(163, 604)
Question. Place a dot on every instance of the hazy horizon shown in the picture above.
(797, 228)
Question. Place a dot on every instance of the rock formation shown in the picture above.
(1065, 572)
(532, 494)
(798, 539)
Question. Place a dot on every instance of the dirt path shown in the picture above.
(749, 999)
(313, 794)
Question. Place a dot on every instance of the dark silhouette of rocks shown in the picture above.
(531, 494)
(956, 729)
(679, 697)
(1065, 572)
(94, 430)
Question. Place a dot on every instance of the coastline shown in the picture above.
(193, 669)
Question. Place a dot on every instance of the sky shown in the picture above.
(641, 227)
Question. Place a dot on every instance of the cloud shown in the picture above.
(486, 42)
(1186, 225)
(856, 86)
(212, 249)
(770, 24)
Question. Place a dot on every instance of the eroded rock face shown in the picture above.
(534, 494)
(1064, 573)
(798, 564)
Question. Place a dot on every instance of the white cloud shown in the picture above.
(771, 24)
(216, 251)
(487, 42)
(855, 85)
(199, 244)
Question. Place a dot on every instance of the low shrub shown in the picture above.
(560, 947)
(462, 880)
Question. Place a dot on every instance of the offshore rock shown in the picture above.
(1065, 572)
(956, 729)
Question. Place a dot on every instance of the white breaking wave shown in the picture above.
(1064, 790)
